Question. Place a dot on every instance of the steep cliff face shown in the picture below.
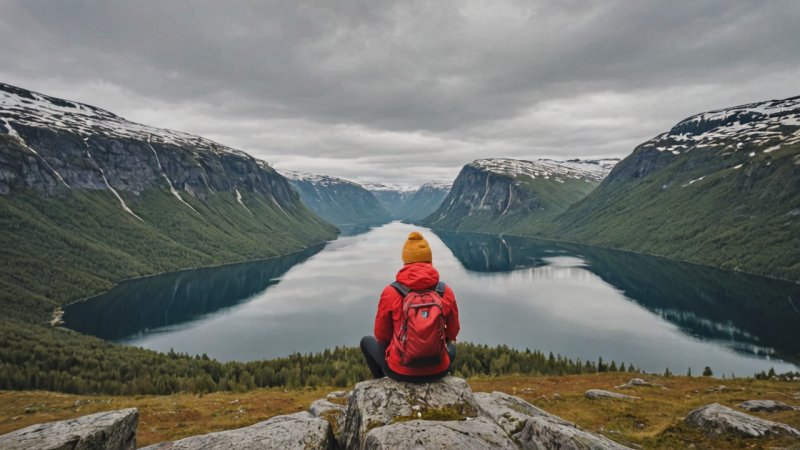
(503, 195)
(95, 198)
(720, 188)
(338, 201)
(65, 145)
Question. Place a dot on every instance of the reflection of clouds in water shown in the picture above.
(331, 299)
(565, 261)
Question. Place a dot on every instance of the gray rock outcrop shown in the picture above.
(638, 382)
(599, 394)
(716, 419)
(479, 433)
(376, 403)
(300, 431)
(111, 430)
(333, 413)
(765, 406)
(380, 414)
(534, 428)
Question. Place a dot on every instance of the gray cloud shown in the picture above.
(406, 91)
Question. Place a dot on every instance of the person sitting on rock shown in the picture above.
(417, 321)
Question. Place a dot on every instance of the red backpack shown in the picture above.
(421, 339)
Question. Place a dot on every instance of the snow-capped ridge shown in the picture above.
(773, 122)
(590, 170)
(42, 111)
(437, 184)
(315, 178)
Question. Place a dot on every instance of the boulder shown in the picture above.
(333, 413)
(105, 431)
(534, 428)
(376, 403)
(480, 433)
(338, 395)
(294, 431)
(598, 394)
(715, 419)
(638, 382)
(765, 406)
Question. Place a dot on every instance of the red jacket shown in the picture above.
(417, 276)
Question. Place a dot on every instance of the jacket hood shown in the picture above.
(418, 276)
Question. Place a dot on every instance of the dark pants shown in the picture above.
(375, 354)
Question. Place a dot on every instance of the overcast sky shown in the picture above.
(406, 91)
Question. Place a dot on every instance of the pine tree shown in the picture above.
(707, 372)
(689, 372)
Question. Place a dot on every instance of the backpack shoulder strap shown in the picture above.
(440, 287)
(401, 288)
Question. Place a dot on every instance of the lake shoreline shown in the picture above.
(665, 258)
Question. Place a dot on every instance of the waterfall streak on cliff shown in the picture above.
(13, 133)
(171, 187)
(108, 185)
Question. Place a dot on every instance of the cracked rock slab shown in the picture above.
(716, 419)
(599, 394)
(480, 433)
(533, 428)
(376, 403)
(294, 431)
(110, 430)
(334, 413)
(765, 406)
(638, 382)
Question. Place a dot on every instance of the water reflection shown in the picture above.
(581, 302)
(138, 307)
(749, 314)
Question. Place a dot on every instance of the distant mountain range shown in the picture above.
(338, 201)
(411, 204)
(502, 195)
(88, 198)
(720, 188)
(346, 203)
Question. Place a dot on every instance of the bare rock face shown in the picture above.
(638, 382)
(300, 431)
(715, 419)
(533, 428)
(112, 430)
(765, 406)
(599, 394)
(376, 403)
(480, 433)
(333, 413)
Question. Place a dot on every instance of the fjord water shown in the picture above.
(577, 301)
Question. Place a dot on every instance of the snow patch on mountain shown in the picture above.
(775, 122)
(444, 185)
(589, 170)
(32, 109)
(325, 180)
(380, 187)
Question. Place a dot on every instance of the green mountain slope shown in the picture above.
(88, 199)
(721, 188)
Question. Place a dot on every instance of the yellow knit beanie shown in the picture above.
(416, 249)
